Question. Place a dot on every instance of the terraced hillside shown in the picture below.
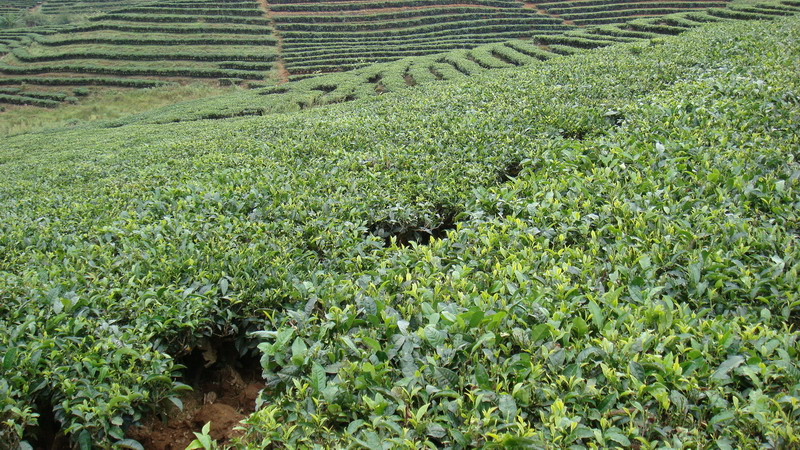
(327, 36)
(55, 7)
(12, 6)
(598, 12)
(263, 43)
(141, 46)
(324, 36)
(454, 65)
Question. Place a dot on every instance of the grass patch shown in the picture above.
(103, 104)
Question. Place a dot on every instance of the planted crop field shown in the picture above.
(584, 239)
(14, 6)
(307, 91)
(61, 7)
(594, 12)
(224, 42)
(289, 40)
(317, 38)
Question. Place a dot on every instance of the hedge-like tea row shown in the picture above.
(298, 44)
(621, 15)
(383, 16)
(54, 96)
(333, 65)
(245, 65)
(680, 20)
(144, 40)
(205, 12)
(376, 51)
(29, 101)
(356, 6)
(129, 54)
(510, 55)
(616, 31)
(174, 29)
(624, 7)
(401, 3)
(53, 7)
(741, 15)
(573, 41)
(321, 41)
(486, 58)
(376, 48)
(433, 23)
(611, 4)
(191, 72)
(497, 25)
(203, 4)
(83, 81)
(589, 33)
(651, 25)
(166, 18)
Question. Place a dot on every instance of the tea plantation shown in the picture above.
(584, 238)
(58, 45)
(380, 78)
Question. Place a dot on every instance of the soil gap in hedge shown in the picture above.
(225, 388)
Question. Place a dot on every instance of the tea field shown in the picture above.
(51, 48)
(377, 79)
(597, 250)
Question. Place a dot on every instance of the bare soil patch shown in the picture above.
(224, 393)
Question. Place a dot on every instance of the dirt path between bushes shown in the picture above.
(280, 64)
(536, 8)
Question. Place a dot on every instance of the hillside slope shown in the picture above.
(257, 44)
(601, 250)
(406, 73)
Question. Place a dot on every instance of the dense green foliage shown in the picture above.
(638, 285)
(64, 38)
(623, 269)
(393, 76)
(203, 39)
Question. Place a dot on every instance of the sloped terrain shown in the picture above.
(323, 37)
(147, 45)
(454, 65)
(596, 251)
(258, 44)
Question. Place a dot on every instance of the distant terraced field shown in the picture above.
(321, 37)
(142, 45)
(401, 74)
(11, 6)
(261, 43)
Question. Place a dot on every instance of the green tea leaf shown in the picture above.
(724, 369)
(618, 437)
(597, 315)
(129, 444)
(481, 376)
(10, 358)
(541, 331)
(579, 326)
(299, 351)
(508, 406)
(318, 377)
